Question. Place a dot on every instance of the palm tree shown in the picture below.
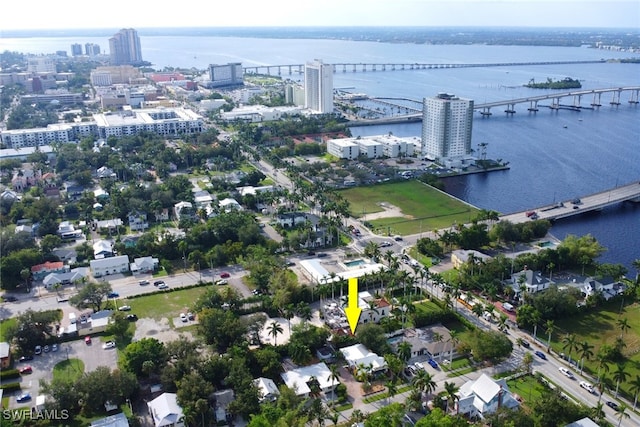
(288, 313)
(620, 375)
(621, 412)
(333, 377)
(274, 330)
(586, 352)
(569, 344)
(451, 389)
(303, 310)
(527, 361)
(392, 389)
(404, 351)
(624, 326)
(423, 381)
(454, 340)
(550, 327)
(635, 389)
(597, 412)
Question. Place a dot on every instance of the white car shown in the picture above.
(125, 308)
(183, 317)
(566, 372)
(585, 385)
(163, 286)
(109, 344)
(222, 282)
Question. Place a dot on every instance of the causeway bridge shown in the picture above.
(575, 99)
(354, 67)
(564, 209)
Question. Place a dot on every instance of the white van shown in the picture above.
(72, 318)
(507, 306)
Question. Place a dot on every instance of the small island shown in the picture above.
(566, 83)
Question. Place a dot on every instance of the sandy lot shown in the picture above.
(158, 329)
(390, 211)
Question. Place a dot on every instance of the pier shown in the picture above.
(593, 202)
(355, 67)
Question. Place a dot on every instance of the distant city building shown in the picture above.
(294, 94)
(446, 126)
(41, 64)
(91, 49)
(76, 49)
(122, 74)
(124, 47)
(372, 147)
(318, 87)
(230, 74)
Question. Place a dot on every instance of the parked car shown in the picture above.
(183, 317)
(26, 370)
(25, 358)
(225, 275)
(419, 366)
(87, 340)
(24, 397)
(190, 316)
(433, 363)
(612, 405)
(566, 372)
(54, 347)
(385, 244)
(525, 343)
(222, 282)
(132, 317)
(144, 282)
(163, 286)
(113, 295)
(109, 344)
(37, 350)
(397, 238)
(46, 349)
(9, 298)
(585, 385)
(541, 355)
(157, 283)
(125, 308)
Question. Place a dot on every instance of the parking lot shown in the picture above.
(92, 356)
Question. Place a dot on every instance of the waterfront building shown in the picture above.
(446, 126)
(344, 148)
(124, 47)
(372, 147)
(294, 94)
(318, 87)
(76, 49)
(91, 49)
(230, 74)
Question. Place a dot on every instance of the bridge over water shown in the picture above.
(354, 67)
(564, 209)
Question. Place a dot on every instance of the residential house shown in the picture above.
(117, 420)
(165, 411)
(144, 265)
(360, 357)
(24, 179)
(67, 278)
(9, 197)
(66, 255)
(605, 286)
(107, 266)
(24, 229)
(529, 281)
(103, 249)
(73, 190)
(291, 219)
(373, 309)
(484, 396)
(229, 204)
(298, 379)
(432, 342)
(41, 270)
(98, 322)
(223, 399)
(49, 185)
(67, 231)
(105, 172)
(461, 256)
(184, 210)
(202, 199)
(100, 194)
(138, 221)
(108, 225)
(583, 422)
(162, 215)
(268, 390)
(5, 355)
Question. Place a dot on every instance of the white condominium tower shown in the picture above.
(318, 87)
(124, 47)
(446, 126)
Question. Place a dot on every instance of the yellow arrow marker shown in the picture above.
(353, 311)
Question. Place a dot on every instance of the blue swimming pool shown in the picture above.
(354, 263)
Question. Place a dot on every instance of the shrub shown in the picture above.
(9, 387)
(9, 374)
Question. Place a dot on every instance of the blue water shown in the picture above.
(354, 263)
(598, 149)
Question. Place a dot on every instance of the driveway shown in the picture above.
(92, 356)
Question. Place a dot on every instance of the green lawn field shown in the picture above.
(424, 208)
(164, 304)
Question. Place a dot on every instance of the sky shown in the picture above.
(71, 14)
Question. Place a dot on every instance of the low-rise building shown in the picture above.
(529, 281)
(165, 411)
(298, 379)
(107, 266)
(144, 265)
(138, 221)
(268, 390)
(360, 357)
(5, 355)
(41, 270)
(461, 256)
(484, 396)
(103, 249)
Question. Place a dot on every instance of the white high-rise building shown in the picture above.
(318, 87)
(446, 126)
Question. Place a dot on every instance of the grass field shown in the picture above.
(70, 369)
(527, 387)
(423, 207)
(599, 327)
(166, 304)
(5, 325)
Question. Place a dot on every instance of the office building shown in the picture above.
(41, 65)
(91, 49)
(124, 47)
(230, 74)
(318, 87)
(446, 126)
(76, 49)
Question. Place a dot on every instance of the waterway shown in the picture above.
(554, 155)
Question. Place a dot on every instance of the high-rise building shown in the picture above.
(446, 126)
(230, 74)
(91, 49)
(76, 49)
(318, 86)
(124, 47)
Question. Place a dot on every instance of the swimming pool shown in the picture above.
(354, 263)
